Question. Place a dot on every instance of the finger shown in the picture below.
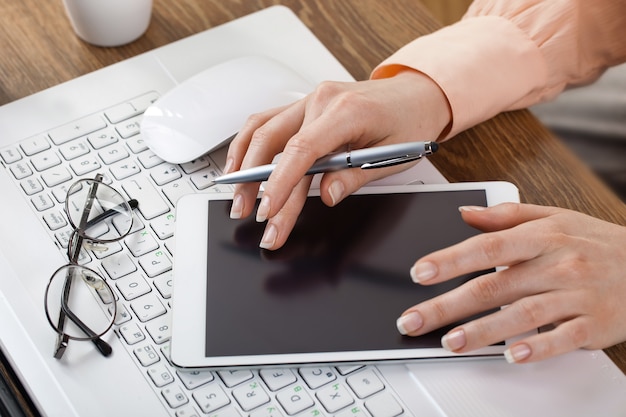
(335, 186)
(258, 142)
(280, 226)
(241, 142)
(483, 293)
(524, 315)
(566, 337)
(500, 248)
(504, 216)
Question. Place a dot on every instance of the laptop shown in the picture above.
(50, 136)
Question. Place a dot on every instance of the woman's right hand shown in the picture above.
(337, 115)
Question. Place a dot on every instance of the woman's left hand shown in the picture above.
(564, 268)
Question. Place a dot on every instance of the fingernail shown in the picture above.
(229, 165)
(472, 208)
(236, 210)
(269, 237)
(423, 271)
(336, 191)
(409, 323)
(263, 210)
(453, 341)
(517, 353)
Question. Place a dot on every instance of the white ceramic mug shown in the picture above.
(109, 22)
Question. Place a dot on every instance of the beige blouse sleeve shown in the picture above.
(510, 54)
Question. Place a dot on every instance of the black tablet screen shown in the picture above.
(339, 283)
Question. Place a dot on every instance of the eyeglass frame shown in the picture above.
(75, 244)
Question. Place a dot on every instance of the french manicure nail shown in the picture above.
(454, 341)
(472, 208)
(423, 271)
(517, 353)
(264, 209)
(336, 191)
(269, 237)
(409, 323)
(236, 210)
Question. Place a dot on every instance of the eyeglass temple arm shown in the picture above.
(100, 344)
(110, 212)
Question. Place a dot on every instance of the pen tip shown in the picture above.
(434, 146)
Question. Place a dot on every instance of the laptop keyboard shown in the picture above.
(139, 269)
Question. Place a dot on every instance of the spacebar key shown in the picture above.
(151, 203)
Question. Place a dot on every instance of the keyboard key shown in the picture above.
(346, 369)
(316, 377)
(147, 307)
(55, 176)
(277, 378)
(112, 154)
(295, 399)
(365, 383)
(77, 129)
(353, 412)
(149, 159)
(151, 204)
(384, 405)
(159, 329)
(118, 265)
(132, 333)
(45, 160)
(54, 219)
(42, 202)
(124, 169)
(174, 396)
(165, 173)
(103, 138)
(74, 149)
(136, 144)
(155, 263)
(146, 355)
(210, 398)
(21, 170)
(334, 397)
(196, 165)
(10, 155)
(122, 315)
(164, 284)
(132, 286)
(235, 377)
(163, 226)
(189, 411)
(31, 186)
(141, 243)
(160, 375)
(85, 165)
(269, 411)
(194, 379)
(251, 395)
(35, 145)
(129, 127)
(130, 108)
(175, 190)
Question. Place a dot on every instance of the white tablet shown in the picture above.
(332, 294)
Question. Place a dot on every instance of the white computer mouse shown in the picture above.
(202, 113)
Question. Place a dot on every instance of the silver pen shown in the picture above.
(366, 158)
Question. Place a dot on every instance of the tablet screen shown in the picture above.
(339, 283)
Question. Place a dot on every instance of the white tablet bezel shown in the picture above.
(187, 346)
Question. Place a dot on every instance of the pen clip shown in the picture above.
(391, 162)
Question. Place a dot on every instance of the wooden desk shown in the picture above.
(39, 50)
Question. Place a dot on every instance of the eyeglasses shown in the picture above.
(76, 295)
